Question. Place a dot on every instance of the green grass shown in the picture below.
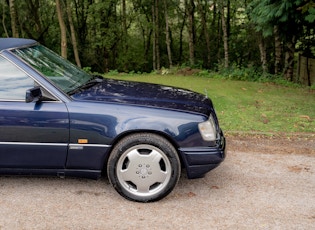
(248, 106)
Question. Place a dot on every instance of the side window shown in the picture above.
(13, 81)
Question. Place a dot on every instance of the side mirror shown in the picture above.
(33, 94)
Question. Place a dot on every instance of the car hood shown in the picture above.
(146, 94)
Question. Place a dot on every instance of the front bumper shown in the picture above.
(200, 160)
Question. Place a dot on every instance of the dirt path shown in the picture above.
(263, 184)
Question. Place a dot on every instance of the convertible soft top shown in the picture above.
(8, 43)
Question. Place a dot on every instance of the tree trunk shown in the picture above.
(73, 36)
(157, 31)
(124, 22)
(190, 6)
(154, 39)
(214, 15)
(147, 46)
(147, 37)
(156, 45)
(124, 18)
(124, 33)
(289, 58)
(201, 10)
(278, 50)
(308, 71)
(228, 18)
(218, 27)
(225, 38)
(63, 32)
(3, 19)
(13, 14)
(263, 53)
(167, 37)
(182, 26)
(81, 15)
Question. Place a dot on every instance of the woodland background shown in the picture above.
(260, 37)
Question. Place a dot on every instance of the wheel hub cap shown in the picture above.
(144, 173)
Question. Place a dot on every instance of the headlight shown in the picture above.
(208, 130)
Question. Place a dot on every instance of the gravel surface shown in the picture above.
(262, 184)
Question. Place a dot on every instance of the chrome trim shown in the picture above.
(88, 145)
(33, 143)
(16, 100)
(73, 146)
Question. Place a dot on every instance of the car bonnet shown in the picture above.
(146, 94)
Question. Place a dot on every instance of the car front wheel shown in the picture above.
(143, 167)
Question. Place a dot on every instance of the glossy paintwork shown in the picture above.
(101, 124)
(44, 137)
(28, 125)
(145, 94)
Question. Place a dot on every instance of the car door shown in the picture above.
(32, 135)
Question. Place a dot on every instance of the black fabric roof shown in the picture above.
(7, 43)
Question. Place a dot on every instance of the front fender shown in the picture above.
(101, 123)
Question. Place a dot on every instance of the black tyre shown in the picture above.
(143, 167)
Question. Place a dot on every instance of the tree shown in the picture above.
(13, 14)
(202, 9)
(182, 16)
(282, 18)
(263, 53)
(167, 35)
(3, 18)
(190, 8)
(156, 34)
(225, 34)
(73, 34)
(278, 50)
(143, 35)
(63, 31)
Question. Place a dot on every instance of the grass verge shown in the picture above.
(248, 107)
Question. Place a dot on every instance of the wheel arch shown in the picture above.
(121, 136)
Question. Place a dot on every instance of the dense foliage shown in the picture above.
(146, 35)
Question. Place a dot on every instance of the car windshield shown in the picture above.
(61, 72)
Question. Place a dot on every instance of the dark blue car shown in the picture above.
(55, 119)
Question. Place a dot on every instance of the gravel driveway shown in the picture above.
(257, 187)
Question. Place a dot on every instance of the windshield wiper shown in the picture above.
(95, 80)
